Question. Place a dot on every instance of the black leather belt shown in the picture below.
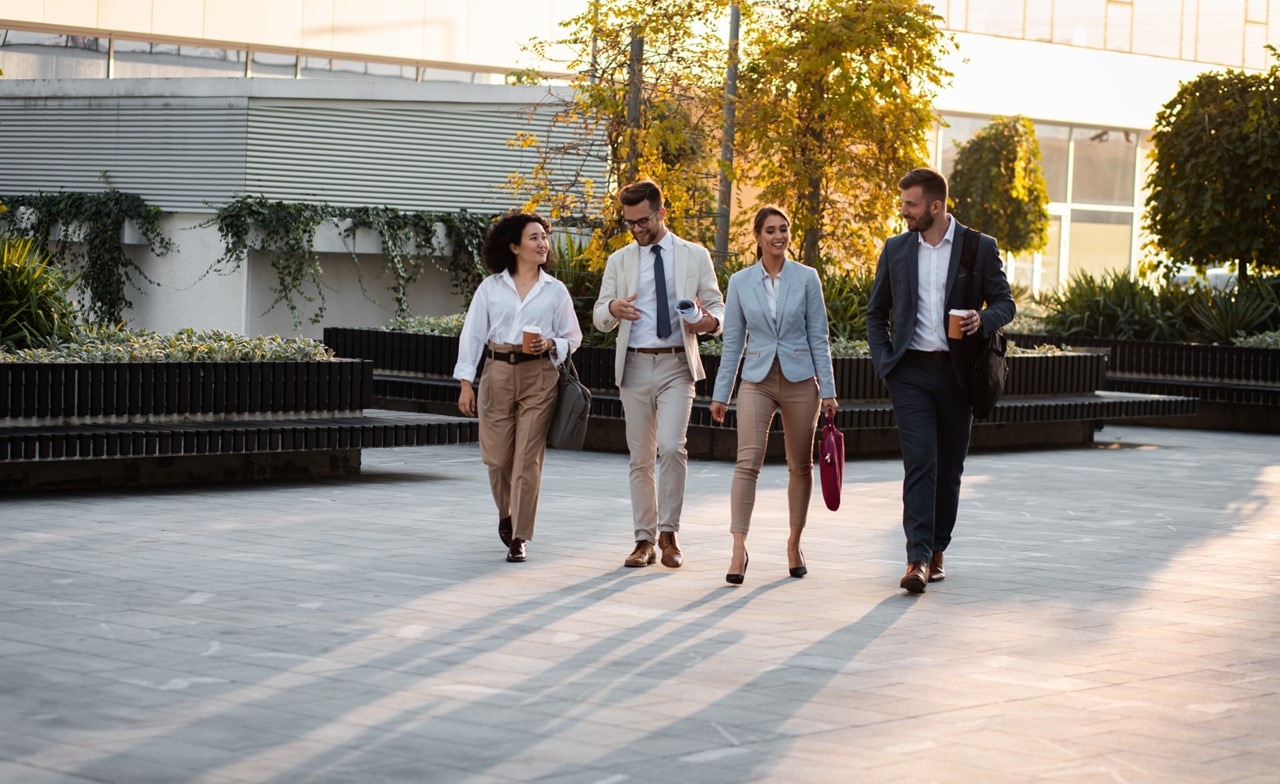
(513, 357)
(928, 356)
(663, 350)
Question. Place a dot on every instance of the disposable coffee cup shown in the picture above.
(530, 334)
(953, 323)
(689, 311)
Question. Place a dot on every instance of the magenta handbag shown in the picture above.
(831, 463)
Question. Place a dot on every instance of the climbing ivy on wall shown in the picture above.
(285, 232)
(87, 243)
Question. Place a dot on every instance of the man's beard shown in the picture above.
(923, 223)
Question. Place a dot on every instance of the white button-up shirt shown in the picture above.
(644, 330)
(931, 298)
(498, 315)
(771, 285)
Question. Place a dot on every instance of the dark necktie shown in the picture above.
(660, 286)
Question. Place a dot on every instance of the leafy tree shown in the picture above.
(1212, 195)
(835, 99)
(998, 186)
(589, 150)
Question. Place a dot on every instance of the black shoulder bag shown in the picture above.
(990, 367)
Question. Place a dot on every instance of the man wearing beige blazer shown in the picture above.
(657, 360)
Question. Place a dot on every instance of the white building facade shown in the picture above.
(403, 104)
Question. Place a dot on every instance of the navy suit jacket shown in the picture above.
(891, 314)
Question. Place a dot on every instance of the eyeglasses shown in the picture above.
(639, 223)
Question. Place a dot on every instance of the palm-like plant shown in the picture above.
(34, 307)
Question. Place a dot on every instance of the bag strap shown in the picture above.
(968, 253)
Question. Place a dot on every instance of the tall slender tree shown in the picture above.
(835, 100)
(998, 185)
(589, 149)
(1212, 195)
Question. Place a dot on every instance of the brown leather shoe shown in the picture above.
(643, 555)
(517, 553)
(671, 555)
(916, 578)
(936, 573)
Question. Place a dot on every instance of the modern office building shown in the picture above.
(404, 104)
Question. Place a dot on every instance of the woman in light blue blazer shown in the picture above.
(775, 325)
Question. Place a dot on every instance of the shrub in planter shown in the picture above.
(1118, 306)
(34, 308)
(116, 344)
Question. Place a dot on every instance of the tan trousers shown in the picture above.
(656, 400)
(757, 403)
(515, 405)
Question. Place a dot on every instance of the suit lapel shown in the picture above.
(786, 292)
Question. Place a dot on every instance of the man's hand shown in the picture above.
(707, 323)
(624, 308)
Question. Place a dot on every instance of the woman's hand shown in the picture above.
(718, 410)
(467, 399)
(830, 406)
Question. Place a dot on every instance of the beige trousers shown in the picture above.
(757, 403)
(657, 397)
(515, 404)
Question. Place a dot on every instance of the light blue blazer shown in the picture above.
(798, 340)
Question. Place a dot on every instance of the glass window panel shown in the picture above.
(1255, 56)
(1055, 141)
(1079, 23)
(1157, 28)
(996, 17)
(1119, 26)
(1100, 241)
(274, 65)
(1220, 38)
(1039, 271)
(26, 55)
(1256, 11)
(959, 131)
(1103, 166)
(1039, 20)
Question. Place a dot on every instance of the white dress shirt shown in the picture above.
(931, 300)
(771, 285)
(644, 331)
(498, 315)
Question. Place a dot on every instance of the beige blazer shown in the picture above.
(695, 279)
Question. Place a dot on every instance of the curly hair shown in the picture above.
(496, 249)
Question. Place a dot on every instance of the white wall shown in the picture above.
(189, 295)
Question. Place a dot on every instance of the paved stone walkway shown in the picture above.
(1111, 614)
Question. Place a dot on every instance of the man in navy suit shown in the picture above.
(919, 278)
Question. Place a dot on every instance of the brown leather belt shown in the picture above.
(511, 357)
(663, 350)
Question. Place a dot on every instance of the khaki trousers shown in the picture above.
(757, 403)
(656, 400)
(515, 404)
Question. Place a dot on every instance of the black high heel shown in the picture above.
(801, 570)
(736, 579)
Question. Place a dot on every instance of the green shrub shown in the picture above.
(848, 296)
(1119, 306)
(448, 326)
(1261, 340)
(1225, 315)
(34, 308)
(116, 344)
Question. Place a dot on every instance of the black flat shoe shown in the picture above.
(736, 579)
(801, 570)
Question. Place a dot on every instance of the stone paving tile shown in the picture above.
(1099, 622)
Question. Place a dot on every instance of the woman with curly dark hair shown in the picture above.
(519, 385)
